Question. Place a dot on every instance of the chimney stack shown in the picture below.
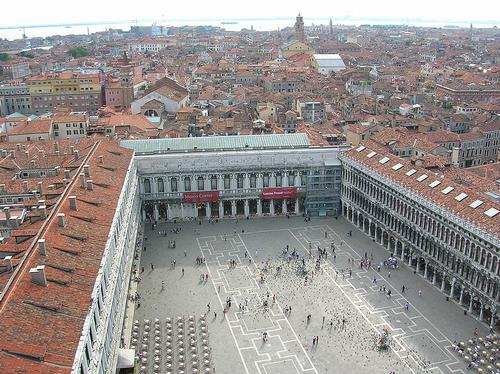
(58, 153)
(56, 147)
(66, 174)
(42, 209)
(38, 275)
(18, 147)
(90, 185)
(27, 154)
(33, 164)
(6, 211)
(14, 222)
(9, 263)
(82, 180)
(41, 247)
(57, 168)
(101, 159)
(72, 202)
(86, 170)
(13, 153)
(60, 219)
(76, 155)
(39, 187)
(4, 153)
(2, 188)
(72, 149)
(65, 182)
(25, 186)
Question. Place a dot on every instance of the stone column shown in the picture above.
(246, 181)
(452, 287)
(481, 312)
(434, 276)
(297, 211)
(284, 207)
(156, 212)
(182, 211)
(233, 208)
(470, 303)
(234, 182)
(461, 301)
(443, 282)
(209, 209)
(195, 210)
(247, 209)
(144, 214)
(426, 270)
(418, 265)
(492, 320)
(259, 207)
(271, 207)
(221, 209)
(409, 258)
(284, 179)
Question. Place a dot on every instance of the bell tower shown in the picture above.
(299, 29)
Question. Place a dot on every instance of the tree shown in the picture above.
(79, 51)
(4, 56)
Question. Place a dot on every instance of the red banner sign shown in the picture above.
(279, 193)
(201, 197)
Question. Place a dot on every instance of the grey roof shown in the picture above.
(213, 143)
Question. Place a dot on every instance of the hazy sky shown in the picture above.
(64, 11)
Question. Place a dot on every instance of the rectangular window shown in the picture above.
(265, 180)
(201, 184)
(227, 182)
(213, 183)
(187, 184)
(239, 181)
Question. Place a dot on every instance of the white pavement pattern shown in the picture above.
(420, 338)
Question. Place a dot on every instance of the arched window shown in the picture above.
(173, 184)
(187, 184)
(147, 186)
(161, 185)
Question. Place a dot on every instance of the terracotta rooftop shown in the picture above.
(41, 326)
(457, 200)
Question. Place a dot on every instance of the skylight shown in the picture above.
(360, 148)
(461, 196)
(371, 154)
(384, 160)
(447, 190)
(492, 212)
(475, 204)
(434, 184)
(422, 177)
(397, 166)
(410, 172)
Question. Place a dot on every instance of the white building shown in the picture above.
(328, 63)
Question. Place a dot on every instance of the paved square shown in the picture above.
(420, 338)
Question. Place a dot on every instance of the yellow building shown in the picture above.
(75, 91)
(295, 47)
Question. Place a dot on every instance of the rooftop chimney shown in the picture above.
(18, 147)
(58, 153)
(82, 180)
(72, 202)
(39, 187)
(43, 211)
(101, 159)
(72, 149)
(14, 222)
(57, 168)
(56, 147)
(25, 186)
(38, 275)
(4, 153)
(27, 154)
(33, 164)
(6, 211)
(90, 185)
(76, 155)
(65, 182)
(66, 174)
(60, 219)
(13, 153)
(9, 263)
(2, 188)
(41, 247)
(86, 170)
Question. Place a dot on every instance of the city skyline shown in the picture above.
(37, 14)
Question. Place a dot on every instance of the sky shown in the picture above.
(36, 12)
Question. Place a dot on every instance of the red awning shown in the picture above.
(200, 197)
(279, 193)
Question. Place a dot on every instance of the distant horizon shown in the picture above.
(165, 22)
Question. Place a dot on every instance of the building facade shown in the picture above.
(15, 98)
(237, 179)
(75, 91)
(421, 220)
